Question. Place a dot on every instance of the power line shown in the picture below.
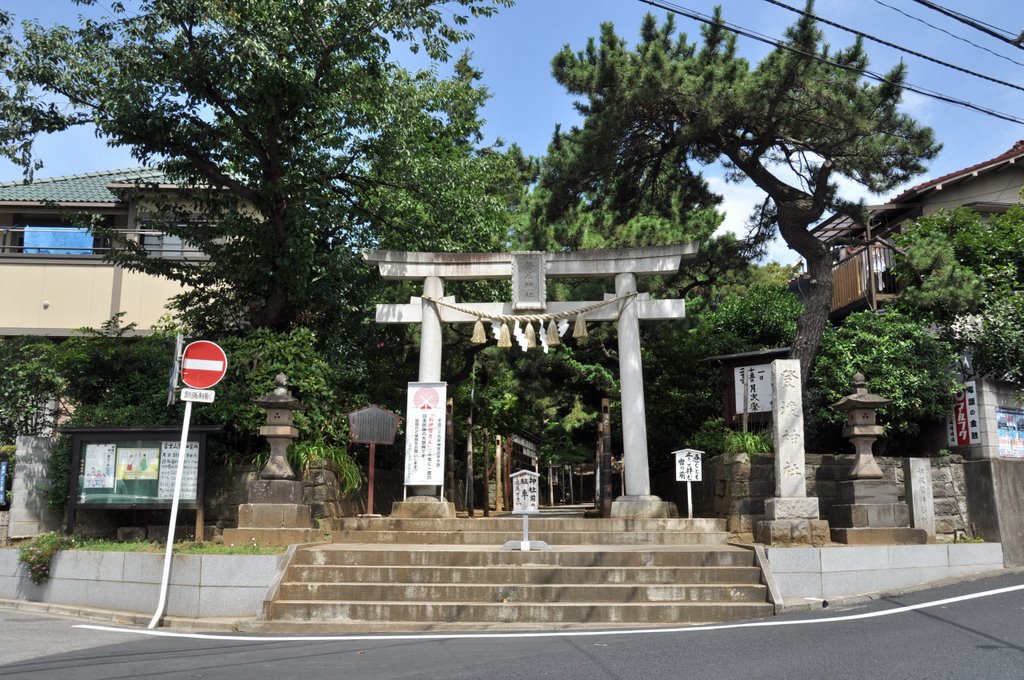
(989, 29)
(703, 18)
(950, 33)
(906, 50)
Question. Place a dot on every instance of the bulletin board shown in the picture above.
(135, 467)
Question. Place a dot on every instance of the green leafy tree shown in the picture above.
(901, 360)
(793, 124)
(291, 138)
(964, 274)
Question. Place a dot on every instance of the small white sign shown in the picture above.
(688, 465)
(525, 494)
(204, 396)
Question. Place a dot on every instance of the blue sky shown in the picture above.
(514, 50)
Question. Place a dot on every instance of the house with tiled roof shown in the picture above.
(861, 273)
(53, 275)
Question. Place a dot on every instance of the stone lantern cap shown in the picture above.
(280, 397)
(860, 398)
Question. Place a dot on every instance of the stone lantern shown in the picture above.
(279, 430)
(275, 513)
(868, 510)
(861, 427)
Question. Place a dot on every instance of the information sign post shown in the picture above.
(372, 425)
(525, 502)
(688, 470)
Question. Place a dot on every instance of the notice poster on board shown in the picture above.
(137, 463)
(99, 466)
(424, 434)
(169, 468)
(1010, 430)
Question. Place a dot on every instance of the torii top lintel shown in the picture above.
(649, 261)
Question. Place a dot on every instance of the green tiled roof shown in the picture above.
(89, 187)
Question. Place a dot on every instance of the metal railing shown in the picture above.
(78, 242)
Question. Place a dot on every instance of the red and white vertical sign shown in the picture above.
(424, 434)
(964, 425)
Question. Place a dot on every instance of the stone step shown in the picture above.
(481, 556)
(522, 574)
(551, 537)
(541, 523)
(436, 613)
(522, 594)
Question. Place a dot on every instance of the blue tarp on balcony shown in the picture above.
(57, 241)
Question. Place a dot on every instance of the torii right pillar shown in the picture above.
(637, 501)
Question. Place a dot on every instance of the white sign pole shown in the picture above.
(689, 500)
(174, 517)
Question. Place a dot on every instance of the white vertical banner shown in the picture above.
(753, 388)
(425, 434)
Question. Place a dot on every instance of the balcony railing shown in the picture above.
(863, 278)
(77, 241)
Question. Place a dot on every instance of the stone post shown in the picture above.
(791, 516)
(917, 480)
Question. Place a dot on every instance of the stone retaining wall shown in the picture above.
(735, 486)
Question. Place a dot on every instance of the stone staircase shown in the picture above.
(388, 574)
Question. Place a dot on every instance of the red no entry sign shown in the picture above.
(203, 364)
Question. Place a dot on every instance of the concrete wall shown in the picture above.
(823, 573)
(30, 515)
(996, 494)
(201, 585)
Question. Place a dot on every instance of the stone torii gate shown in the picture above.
(529, 271)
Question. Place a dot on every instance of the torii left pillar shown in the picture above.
(624, 265)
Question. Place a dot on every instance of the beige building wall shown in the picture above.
(997, 187)
(49, 296)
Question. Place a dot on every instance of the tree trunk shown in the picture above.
(794, 229)
(811, 325)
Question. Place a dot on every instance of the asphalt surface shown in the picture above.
(978, 636)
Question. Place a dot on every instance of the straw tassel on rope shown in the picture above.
(504, 339)
(531, 337)
(553, 338)
(479, 337)
(579, 330)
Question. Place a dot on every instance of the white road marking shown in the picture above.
(553, 634)
(203, 365)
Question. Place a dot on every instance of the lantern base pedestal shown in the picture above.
(880, 536)
(869, 512)
(427, 507)
(275, 515)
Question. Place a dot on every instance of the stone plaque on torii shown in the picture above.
(529, 272)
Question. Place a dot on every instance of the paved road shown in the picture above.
(974, 637)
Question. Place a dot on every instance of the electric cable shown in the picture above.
(989, 29)
(950, 33)
(703, 18)
(900, 48)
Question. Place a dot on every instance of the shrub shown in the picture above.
(37, 554)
